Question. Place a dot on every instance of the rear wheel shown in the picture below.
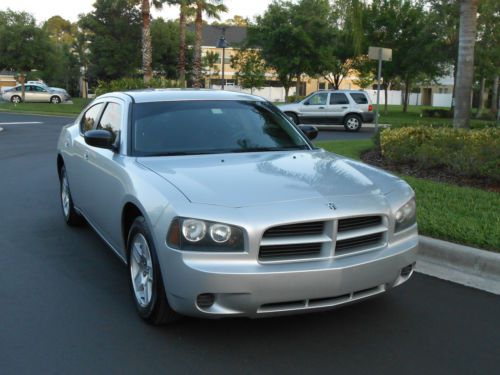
(16, 99)
(55, 100)
(72, 217)
(146, 280)
(352, 123)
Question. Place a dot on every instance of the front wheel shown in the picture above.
(145, 276)
(16, 99)
(55, 100)
(352, 123)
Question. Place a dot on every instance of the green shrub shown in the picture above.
(125, 84)
(474, 153)
(437, 112)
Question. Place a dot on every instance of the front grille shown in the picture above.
(357, 243)
(301, 229)
(358, 223)
(270, 252)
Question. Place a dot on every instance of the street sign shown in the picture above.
(375, 53)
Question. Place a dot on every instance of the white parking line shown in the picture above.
(21, 123)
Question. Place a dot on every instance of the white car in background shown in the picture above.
(34, 94)
(350, 108)
(45, 86)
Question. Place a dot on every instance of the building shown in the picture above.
(7, 79)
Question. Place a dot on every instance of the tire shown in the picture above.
(55, 100)
(294, 117)
(352, 123)
(71, 217)
(146, 282)
(16, 99)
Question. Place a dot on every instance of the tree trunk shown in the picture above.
(452, 107)
(198, 24)
(297, 86)
(407, 96)
(147, 51)
(494, 97)
(481, 99)
(465, 70)
(22, 79)
(182, 45)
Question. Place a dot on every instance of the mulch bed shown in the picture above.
(374, 157)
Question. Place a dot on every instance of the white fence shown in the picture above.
(442, 100)
(393, 96)
(273, 94)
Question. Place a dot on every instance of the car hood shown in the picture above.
(249, 179)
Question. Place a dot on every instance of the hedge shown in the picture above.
(125, 84)
(473, 153)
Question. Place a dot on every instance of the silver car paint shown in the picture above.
(253, 191)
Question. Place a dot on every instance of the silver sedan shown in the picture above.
(220, 206)
(34, 94)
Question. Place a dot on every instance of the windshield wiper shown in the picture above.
(261, 149)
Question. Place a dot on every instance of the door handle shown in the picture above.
(345, 107)
(321, 107)
(86, 155)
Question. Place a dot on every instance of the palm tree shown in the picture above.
(212, 8)
(465, 66)
(147, 49)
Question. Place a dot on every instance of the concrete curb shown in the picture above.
(460, 264)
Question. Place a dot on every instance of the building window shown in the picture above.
(322, 86)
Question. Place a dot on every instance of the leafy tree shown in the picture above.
(465, 67)
(23, 45)
(212, 8)
(237, 21)
(209, 65)
(60, 30)
(250, 69)
(408, 29)
(113, 29)
(165, 40)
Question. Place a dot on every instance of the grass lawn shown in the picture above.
(397, 117)
(46, 108)
(458, 214)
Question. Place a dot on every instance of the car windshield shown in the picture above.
(206, 127)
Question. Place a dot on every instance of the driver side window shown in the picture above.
(318, 99)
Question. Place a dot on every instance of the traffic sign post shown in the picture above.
(380, 54)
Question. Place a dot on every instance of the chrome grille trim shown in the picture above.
(299, 229)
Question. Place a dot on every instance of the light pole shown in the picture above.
(223, 44)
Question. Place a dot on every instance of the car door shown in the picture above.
(338, 107)
(313, 109)
(106, 178)
(40, 94)
(78, 167)
(29, 94)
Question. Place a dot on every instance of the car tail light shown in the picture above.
(370, 108)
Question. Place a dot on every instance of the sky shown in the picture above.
(69, 9)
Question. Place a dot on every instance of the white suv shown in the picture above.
(350, 108)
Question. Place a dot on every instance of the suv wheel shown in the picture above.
(352, 123)
(293, 117)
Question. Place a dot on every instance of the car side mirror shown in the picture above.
(309, 131)
(306, 103)
(99, 138)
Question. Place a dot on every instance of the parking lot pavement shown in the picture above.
(65, 306)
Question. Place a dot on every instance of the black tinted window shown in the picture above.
(338, 98)
(359, 98)
(111, 119)
(89, 119)
(197, 127)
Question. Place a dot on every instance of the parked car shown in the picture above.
(45, 86)
(34, 93)
(221, 206)
(334, 107)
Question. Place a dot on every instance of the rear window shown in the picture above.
(359, 98)
(338, 98)
(202, 127)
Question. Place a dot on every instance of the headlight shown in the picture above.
(201, 235)
(406, 216)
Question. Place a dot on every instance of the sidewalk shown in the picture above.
(460, 264)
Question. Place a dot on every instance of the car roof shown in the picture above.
(159, 95)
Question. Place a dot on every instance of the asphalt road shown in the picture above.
(65, 306)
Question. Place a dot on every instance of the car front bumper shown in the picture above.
(251, 289)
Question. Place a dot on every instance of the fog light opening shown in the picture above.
(406, 271)
(205, 300)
